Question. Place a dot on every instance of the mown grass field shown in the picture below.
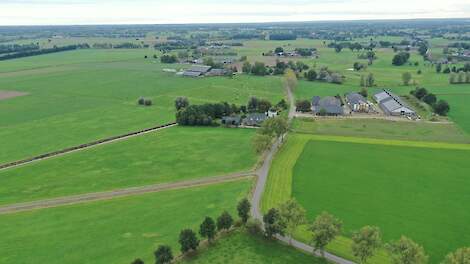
(240, 247)
(173, 154)
(115, 231)
(418, 190)
(80, 96)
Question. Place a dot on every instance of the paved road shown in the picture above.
(89, 197)
(262, 174)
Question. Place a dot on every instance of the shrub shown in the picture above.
(148, 102)
(303, 106)
(253, 226)
(141, 101)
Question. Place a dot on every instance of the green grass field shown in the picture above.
(416, 190)
(115, 231)
(382, 129)
(170, 155)
(80, 96)
(240, 247)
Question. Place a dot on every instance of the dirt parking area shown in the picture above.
(4, 95)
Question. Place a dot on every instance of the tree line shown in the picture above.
(29, 53)
(13, 48)
(366, 241)
(440, 107)
(208, 229)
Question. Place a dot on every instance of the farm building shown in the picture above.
(327, 105)
(393, 105)
(231, 120)
(357, 103)
(197, 71)
(255, 119)
(217, 72)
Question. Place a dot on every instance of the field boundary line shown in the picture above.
(387, 142)
(84, 146)
(126, 192)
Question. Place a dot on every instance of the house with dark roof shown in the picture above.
(328, 105)
(357, 103)
(231, 120)
(393, 105)
(255, 119)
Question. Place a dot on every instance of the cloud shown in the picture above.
(42, 12)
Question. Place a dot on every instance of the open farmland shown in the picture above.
(402, 189)
(170, 155)
(81, 96)
(241, 247)
(115, 231)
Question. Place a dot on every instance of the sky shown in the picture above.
(74, 12)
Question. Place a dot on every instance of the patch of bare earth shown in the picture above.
(4, 95)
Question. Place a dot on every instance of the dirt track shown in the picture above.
(90, 197)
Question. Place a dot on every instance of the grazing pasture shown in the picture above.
(80, 96)
(241, 247)
(114, 231)
(417, 190)
(173, 154)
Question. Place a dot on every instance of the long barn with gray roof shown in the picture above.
(393, 105)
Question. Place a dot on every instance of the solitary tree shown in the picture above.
(406, 77)
(273, 223)
(181, 102)
(207, 229)
(370, 80)
(460, 256)
(246, 68)
(163, 255)
(438, 68)
(406, 251)
(290, 77)
(225, 221)
(188, 240)
(243, 209)
(274, 126)
(261, 142)
(325, 228)
(303, 106)
(441, 108)
(293, 215)
(365, 242)
(311, 75)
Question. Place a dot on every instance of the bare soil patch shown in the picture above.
(10, 94)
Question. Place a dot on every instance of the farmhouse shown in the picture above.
(327, 106)
(393, 105)
(357, 103)
(197, 71)
(231, 120)
(255, 119)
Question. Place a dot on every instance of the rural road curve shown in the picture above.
(262, 174)
(90, 197)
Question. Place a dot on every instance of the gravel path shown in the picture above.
(262, 174)
(89, 197)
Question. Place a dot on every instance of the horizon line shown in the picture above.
(238, 23)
